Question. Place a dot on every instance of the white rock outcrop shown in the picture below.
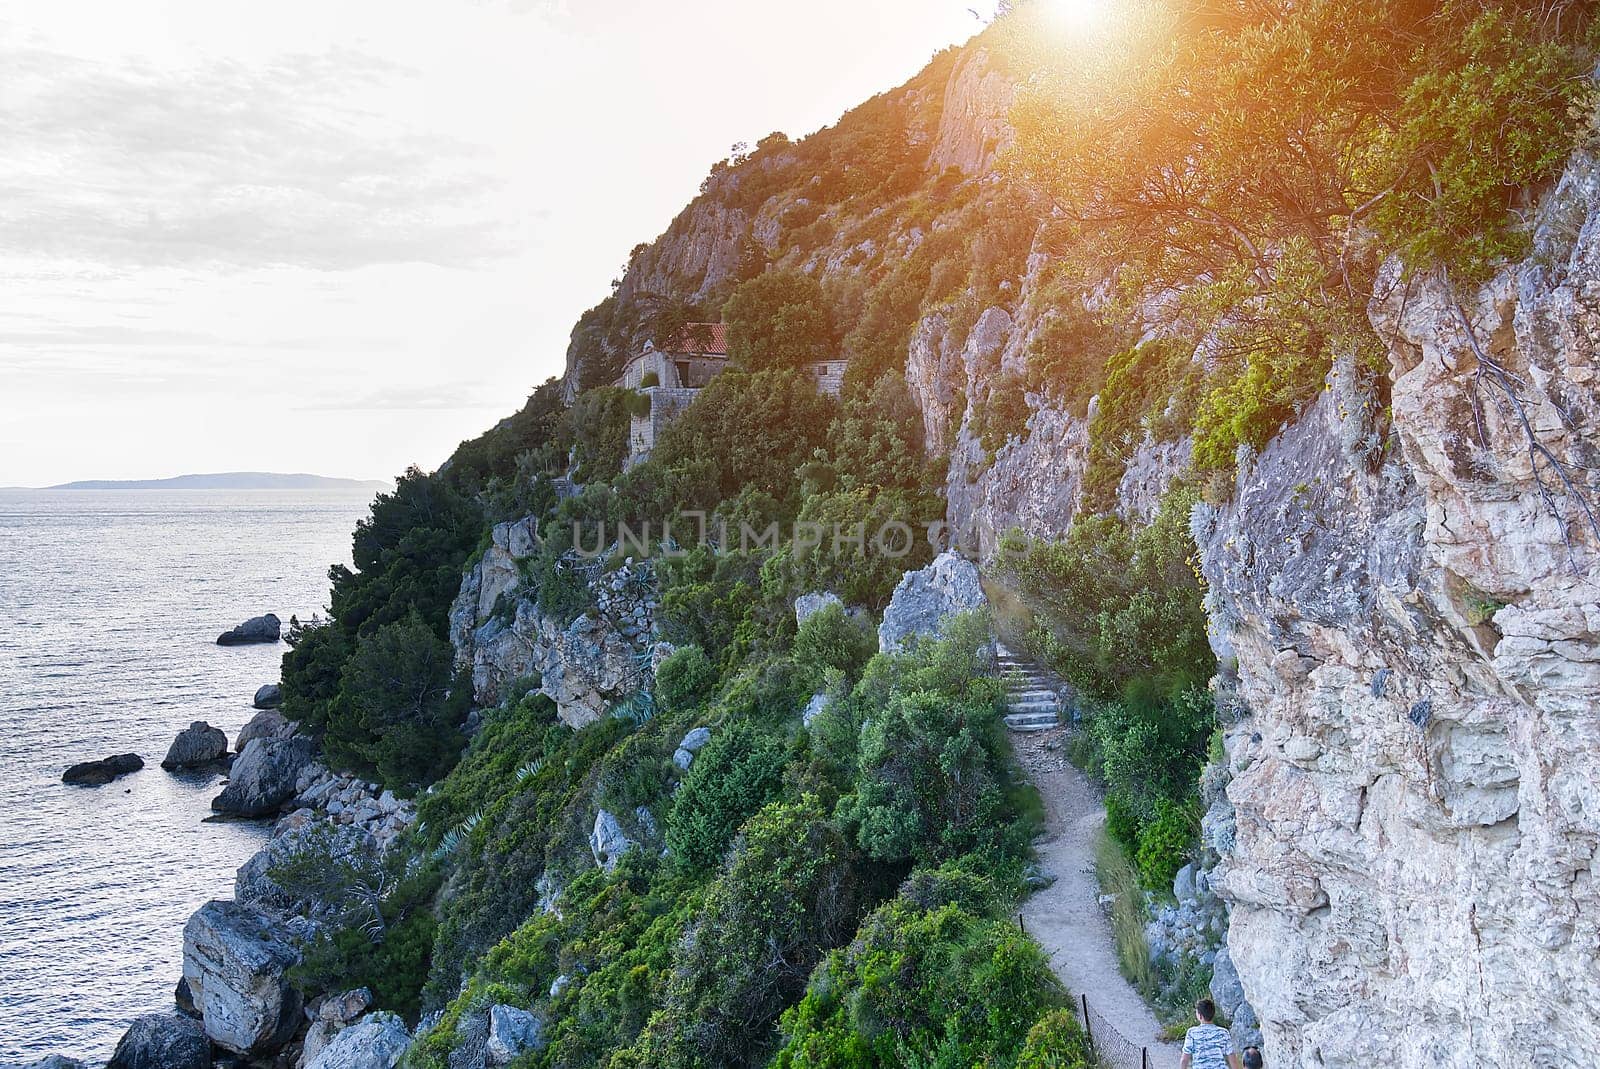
(377, 1041)
(235, 961)
(1412, 646)
(926, 598)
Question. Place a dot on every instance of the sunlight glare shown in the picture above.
(1077, 16)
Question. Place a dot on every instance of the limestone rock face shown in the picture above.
(268, 696)
(197, 744)
(1414, 655)
(235, 961)
(974, 127)
(162, 1041)
(947, 373)
(1033, 483)
(926, 598)
(375, 1042)
(585, 666)
(263, 776)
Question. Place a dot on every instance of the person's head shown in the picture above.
(1252, 1058)
(1206, 1010)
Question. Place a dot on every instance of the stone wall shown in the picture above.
(666, 404)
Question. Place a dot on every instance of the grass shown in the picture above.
(1120, 879)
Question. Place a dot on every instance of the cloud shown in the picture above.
(229, 166)
(446, 397)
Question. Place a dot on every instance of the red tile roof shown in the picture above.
(710, 339)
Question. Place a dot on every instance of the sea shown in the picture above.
(110, 605)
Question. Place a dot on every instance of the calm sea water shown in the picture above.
(110, 605)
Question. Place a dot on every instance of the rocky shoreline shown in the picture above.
(234, 1004)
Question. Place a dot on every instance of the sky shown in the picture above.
(339, 236)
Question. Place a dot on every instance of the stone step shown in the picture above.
(1031, 723)
(1020, 694)
(1038, 706)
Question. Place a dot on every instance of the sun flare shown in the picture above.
(1078, 16)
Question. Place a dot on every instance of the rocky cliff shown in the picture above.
(502, 635)
(1411, 642)
(1404, 602)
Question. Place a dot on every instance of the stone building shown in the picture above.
(673, 375)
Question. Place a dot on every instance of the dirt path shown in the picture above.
(1066, 917)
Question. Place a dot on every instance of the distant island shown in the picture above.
(229, 480)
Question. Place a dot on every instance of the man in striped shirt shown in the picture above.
(1206, 1046)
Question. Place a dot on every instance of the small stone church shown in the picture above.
(671, 377)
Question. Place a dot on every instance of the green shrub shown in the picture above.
(832, 639)
(736, 773)
(1165, 842)
(685, 678)
(1057, 1041)
(399, 706)
(1005, 414)
(924, 987)
(1499, 106)
(649, 379)
(787, 896)
(779, 319)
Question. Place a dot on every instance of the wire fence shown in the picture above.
(1112, 1049)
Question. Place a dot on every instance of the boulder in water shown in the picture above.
(266, 628)
(235, 962)
(268, 696)
(55, 1061)
(263, 777)
(267, 724)
(196, 745)
(163, 1041)
(98, 773)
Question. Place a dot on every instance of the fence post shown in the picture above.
(1144, 1058)
(1088, 1029)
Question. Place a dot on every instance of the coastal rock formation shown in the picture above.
(925, 598)
(267, 724)
(268, 696)
(375, 1042)
(263, 777)
(235, 961)
(1417, 642)
(162, 1041)
(256, 629)
(99, 773)
(198, 744)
